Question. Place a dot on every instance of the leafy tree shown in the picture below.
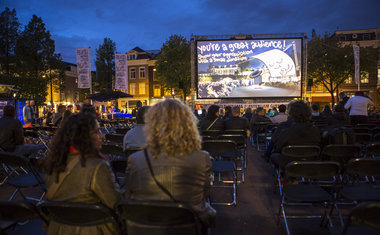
(33, 49)
(330, 63)
(55, 75)
(173, 64)
(105, 64)
(9, 32)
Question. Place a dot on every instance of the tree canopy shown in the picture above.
(105, 64)
(330, 63)
(173, 64)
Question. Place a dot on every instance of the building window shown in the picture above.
(154, 74)
(142, 88)
(142, 73)
(132, 57)
(364, 78)
(342, 38)
(366, 36)
(132, 88)
(348, 80)
(156, 90)
(132, 73)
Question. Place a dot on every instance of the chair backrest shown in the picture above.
(239, 139)
(219, 146)
(122, 131)
(17, 211)
(77, 214)
(158, 217)
(112, 149)
(14, 160)
(235, 132)
(361, 130)
(300, 152)
(340, 135)
(362, 138)
(211, 133)
(312, 169)
(341, 152)
(116, 138)
(364, 167)
(365, 215)
(376, 137)
(373, 149)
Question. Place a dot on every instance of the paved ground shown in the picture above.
(256, 212)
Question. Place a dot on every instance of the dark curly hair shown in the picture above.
(77, 132)
(300, 112)
(211, 112)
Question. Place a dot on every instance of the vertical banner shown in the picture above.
(84, 67)
(357, 63)
(121, 78)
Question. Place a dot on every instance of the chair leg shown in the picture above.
(285, 221)
(14, 194)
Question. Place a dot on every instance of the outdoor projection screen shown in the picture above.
(249, 68)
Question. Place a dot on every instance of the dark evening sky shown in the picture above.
(149, 23)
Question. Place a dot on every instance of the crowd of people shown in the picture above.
(169, 134)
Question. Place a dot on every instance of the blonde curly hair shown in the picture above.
(171, 128)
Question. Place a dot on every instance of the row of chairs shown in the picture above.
(304, 179)
(130, 216)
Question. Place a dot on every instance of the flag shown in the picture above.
(121, 76)
(357, 63)
(84, 67)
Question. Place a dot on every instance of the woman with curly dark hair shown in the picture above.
(212, 120)
(75, 171)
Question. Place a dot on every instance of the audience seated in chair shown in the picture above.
(301, 132)
(236, 122)
(281, 116)
(212, 120)
(135, 138)
(12, 135)
(173, 167)
(339, 117)
(75, 150)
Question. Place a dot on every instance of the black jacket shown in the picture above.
(11, 133)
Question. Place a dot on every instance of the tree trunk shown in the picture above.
(332, 98)
(184, 95)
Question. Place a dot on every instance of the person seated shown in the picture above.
(75, 149)
(326, 113)
(212, 120)
(315, 115)
(281, 115)
(57, 117)
(236, 122)
(227, 113)
(339, 117)
(301, 132)
(135, 138)
(177, 162)
(248, 114)
(12, 135)
(258, 121)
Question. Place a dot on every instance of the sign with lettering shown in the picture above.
(121, 76)
(84, 67)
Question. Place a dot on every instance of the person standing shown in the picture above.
(358, 105)
(27, 114)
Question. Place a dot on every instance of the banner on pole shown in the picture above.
(357, 63)
(121, 78)
(84, 67)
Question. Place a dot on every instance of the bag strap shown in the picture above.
(61, 176)
(211, 124)
(154, 177)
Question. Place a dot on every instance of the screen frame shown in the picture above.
(250, 97)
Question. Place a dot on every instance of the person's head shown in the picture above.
(70, 108)
(9, 111)
(171, 129)
(282, 108)
(236, 111)
(138, 104)
(359, 93)
(27, 102)
(327, 108)
(65, 116)
(342, 95)
(213, 112)
(61, 109)
(260, 111)
(31, 103)
(315, 107)
(79, 131)
(248, 110)
(339, 108)
(141, 114)
(88, 108)
(300, 112)
(228, 109)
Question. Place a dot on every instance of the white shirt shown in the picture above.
(358, 105)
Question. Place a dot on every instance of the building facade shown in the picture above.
(142, 83)
(369, 82)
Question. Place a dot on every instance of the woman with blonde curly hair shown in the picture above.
(172, 167)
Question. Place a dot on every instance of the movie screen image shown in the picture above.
(249, 68)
